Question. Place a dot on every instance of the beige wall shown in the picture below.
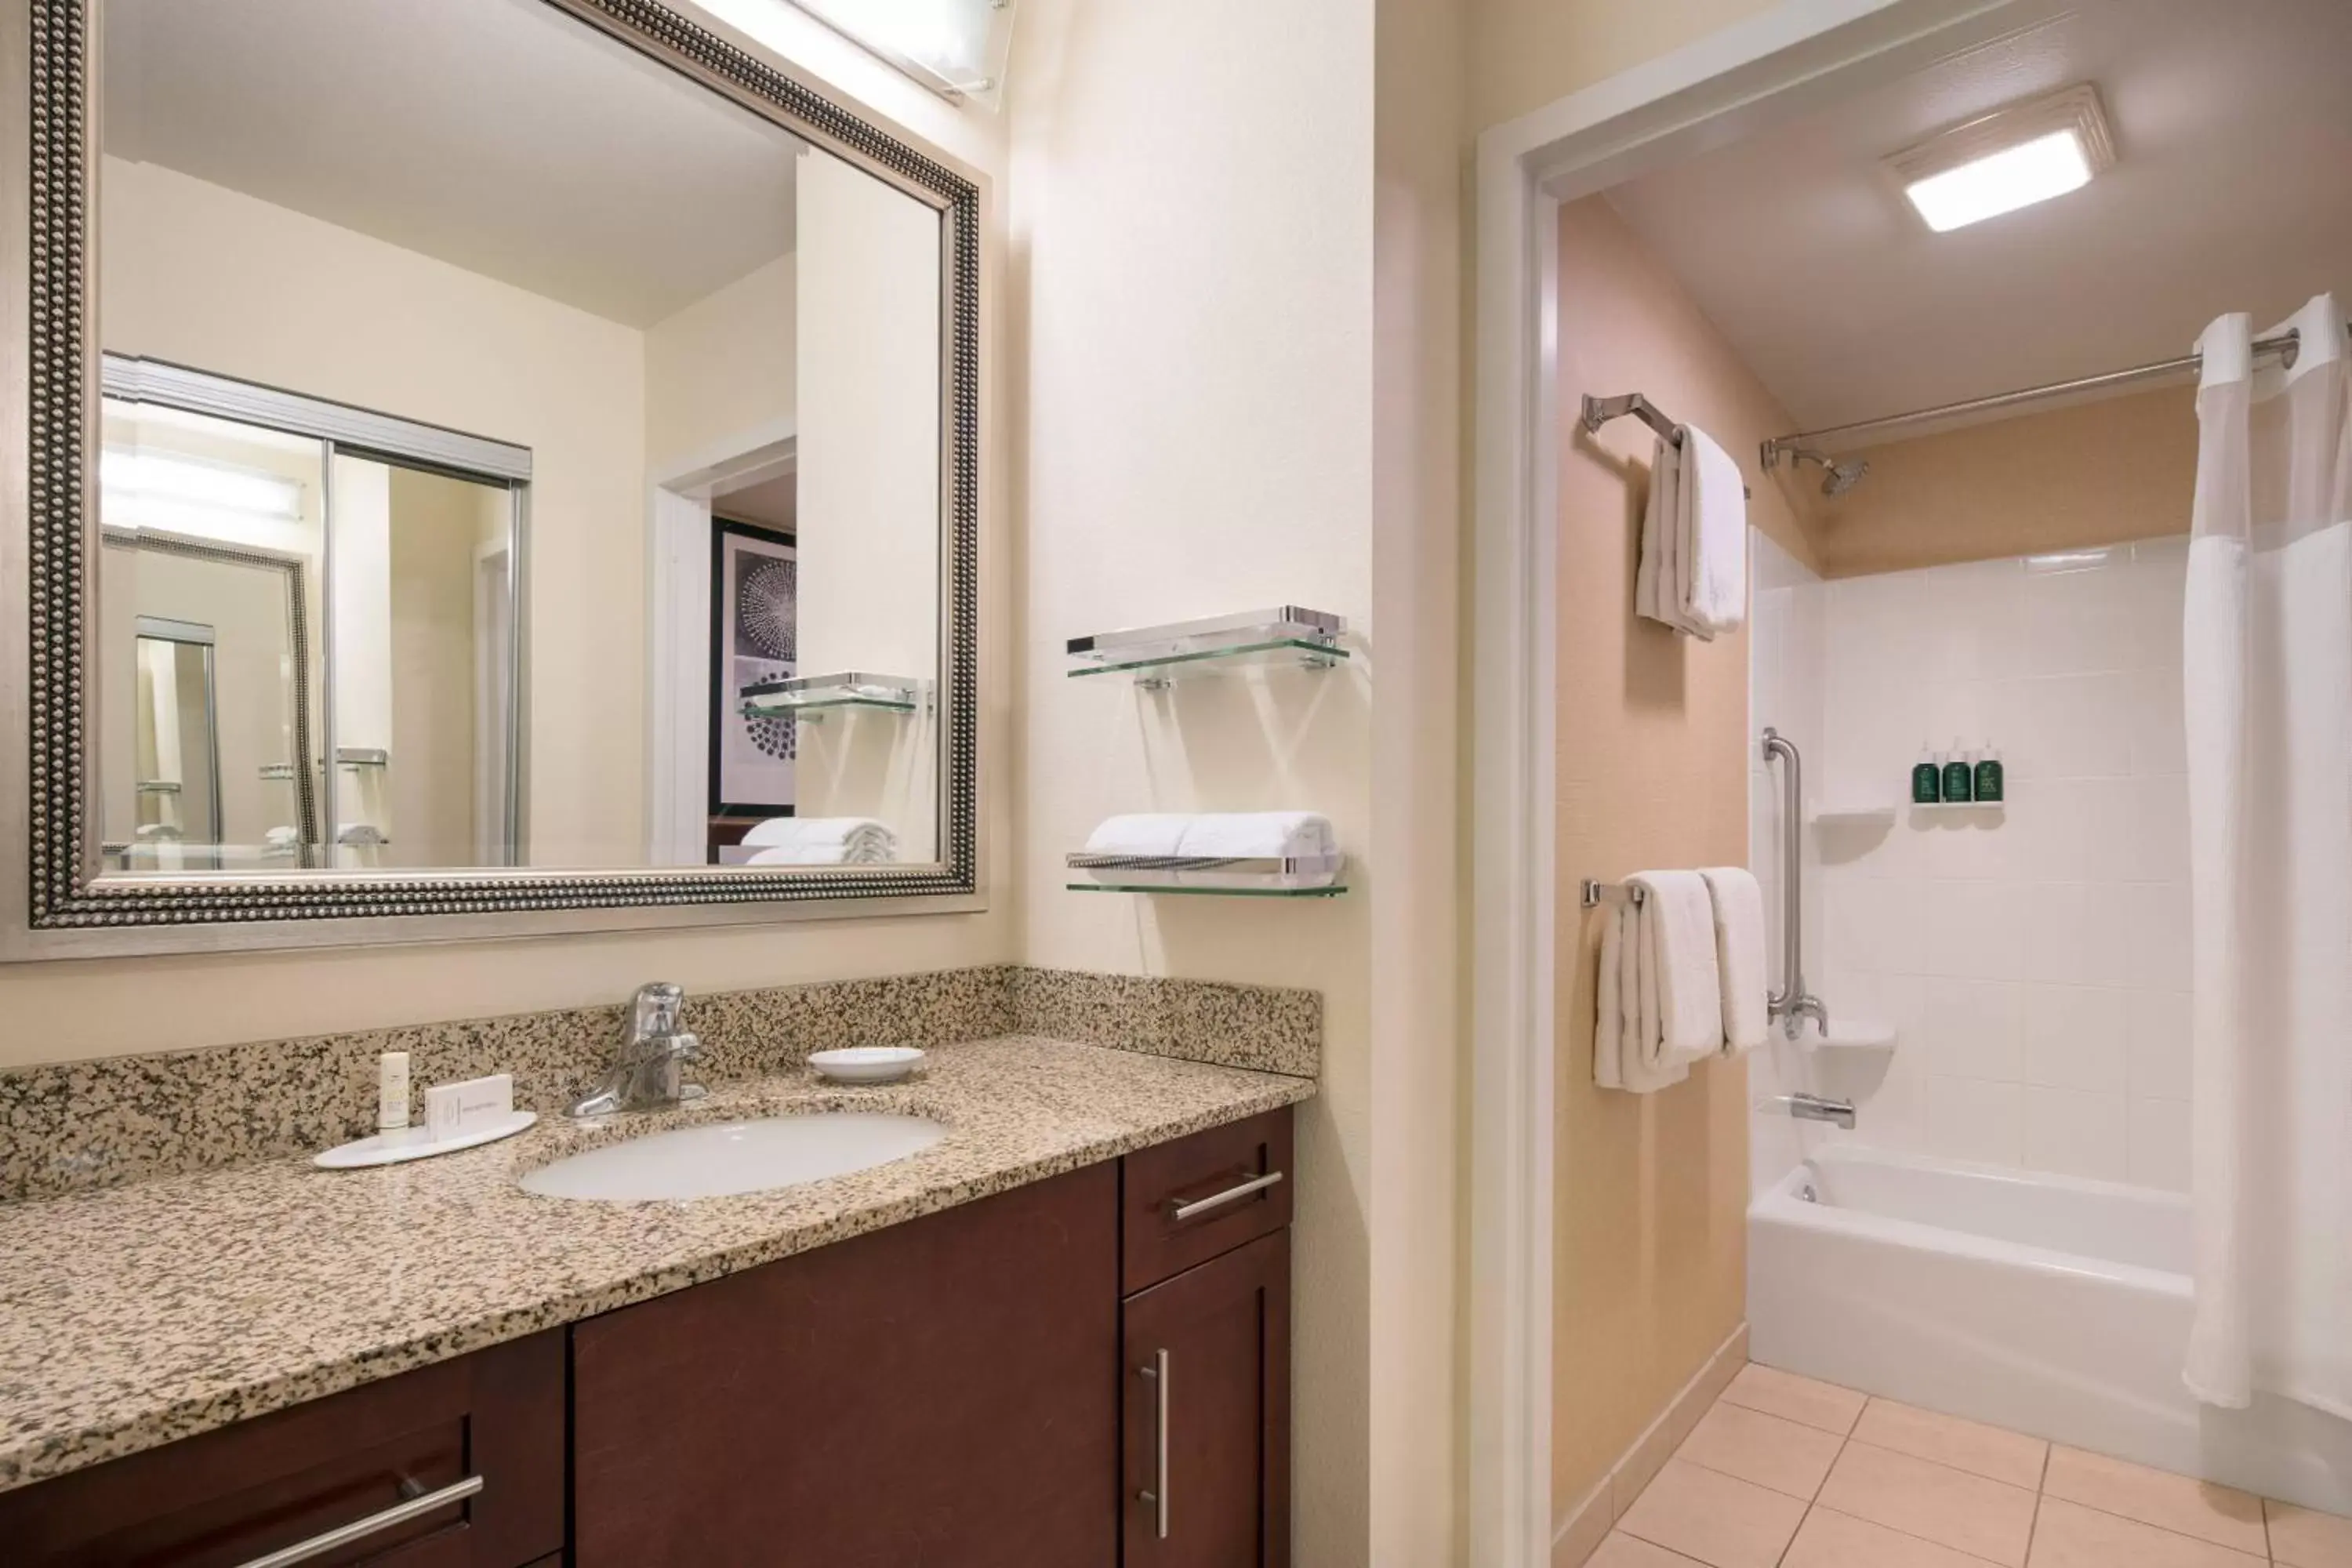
(1652, 1190)
(437, 522)
(1418, 731)
(722, 368)
(2098, 473)
(1526, 53)
(1191, 298)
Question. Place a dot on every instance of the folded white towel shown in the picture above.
(1259, 836)
(1739, 956)
(1710, 550)
(822, 841)
(1657, 585)
(1148, 833)
(1661, 1001)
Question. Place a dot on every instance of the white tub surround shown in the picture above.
(2051, 1305)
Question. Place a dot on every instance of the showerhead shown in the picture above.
(1836, 478)
(1844, 477)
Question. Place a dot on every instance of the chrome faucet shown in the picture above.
(1813, 1108)
(648, 1072)
(1794, 1015)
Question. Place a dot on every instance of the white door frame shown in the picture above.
(1789, 61)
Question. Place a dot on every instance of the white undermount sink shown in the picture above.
(726, 1158)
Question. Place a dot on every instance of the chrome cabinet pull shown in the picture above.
(1230, 1195)
(1157, 1495)
(360, 1529)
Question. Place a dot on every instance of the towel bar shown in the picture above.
(1599, 411)
(1597, 893)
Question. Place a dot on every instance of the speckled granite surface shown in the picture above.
(77, 1125)
(136, 1315)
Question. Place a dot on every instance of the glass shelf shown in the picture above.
(1289, 637)
(1317, 877)
(810, 695)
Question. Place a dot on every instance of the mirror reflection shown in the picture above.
(513, 454)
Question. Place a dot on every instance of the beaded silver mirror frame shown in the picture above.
(58, 905)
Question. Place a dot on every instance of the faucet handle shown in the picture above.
(656, 1009)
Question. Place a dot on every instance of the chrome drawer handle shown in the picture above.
(1158, 1496)
(360, 1529)
(1230, 1195)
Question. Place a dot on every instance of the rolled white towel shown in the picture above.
(1144, 834)
(821, 841)
(821, 855)
(1739, 956)
(1259, 836)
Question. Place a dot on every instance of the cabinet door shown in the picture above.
(942, 1393)
(485, 1430)
(1207, 1457)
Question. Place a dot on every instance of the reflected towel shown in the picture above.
(821, 841)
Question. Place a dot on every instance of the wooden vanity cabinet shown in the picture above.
(228, 1497)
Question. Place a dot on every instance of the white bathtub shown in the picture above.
(2046, 1304)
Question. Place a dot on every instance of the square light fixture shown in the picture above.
(2009, 159)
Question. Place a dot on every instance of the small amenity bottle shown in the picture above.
(1988, 775)
(1927, 778)
(1959, 781)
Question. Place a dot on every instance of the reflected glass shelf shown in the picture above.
(1317, 876)
(1289, 637)
(811, 695)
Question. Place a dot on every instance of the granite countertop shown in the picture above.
(136, 1315)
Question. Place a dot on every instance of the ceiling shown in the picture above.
(2233, 129)
(499, 135)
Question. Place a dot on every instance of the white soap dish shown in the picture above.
(418, 1144)
(867, 1064)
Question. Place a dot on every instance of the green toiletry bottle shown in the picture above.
(1988, 775)
(1926, 779)
(1959, 781)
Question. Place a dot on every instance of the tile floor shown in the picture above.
(1785, 1472)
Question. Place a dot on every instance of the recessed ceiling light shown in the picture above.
(2010, 159)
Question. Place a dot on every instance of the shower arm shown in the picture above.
(1791, 1003)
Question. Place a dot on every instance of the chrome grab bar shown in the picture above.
(1158, 1494)
(1219, 1200)
(360, 1529)
(1791, 1004)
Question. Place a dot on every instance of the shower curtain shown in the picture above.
(2267, 666)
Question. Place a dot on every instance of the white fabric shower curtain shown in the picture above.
(2267, 663)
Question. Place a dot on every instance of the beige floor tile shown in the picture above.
(1621, 1550)
(1720, 1519)
(1831, 1539)
(2223, 1515)
(1983, 1518)
(1783, 1455)
(1970, 1446)
(1794, 1398)
(2069, 1536)
(2304, 1538)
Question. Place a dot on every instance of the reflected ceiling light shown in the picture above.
(158, 485)
(2010, 159)
(955, 47)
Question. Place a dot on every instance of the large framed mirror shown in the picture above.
(485, 466)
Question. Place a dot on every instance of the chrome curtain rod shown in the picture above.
(1781, 446)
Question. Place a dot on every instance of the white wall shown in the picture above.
(2036, 961)
(1191, 287)
(722, 368)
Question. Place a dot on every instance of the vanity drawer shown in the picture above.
(227, 1498)
(1184, 1203)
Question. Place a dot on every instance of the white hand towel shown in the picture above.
(1622, 1056)
(1155, 834)
(1710, 552)
(1658, 520)
(1739, 956)
(821, 841)
(1259, 836)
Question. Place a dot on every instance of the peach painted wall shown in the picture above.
(2066, 478)
(1652, 1190)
